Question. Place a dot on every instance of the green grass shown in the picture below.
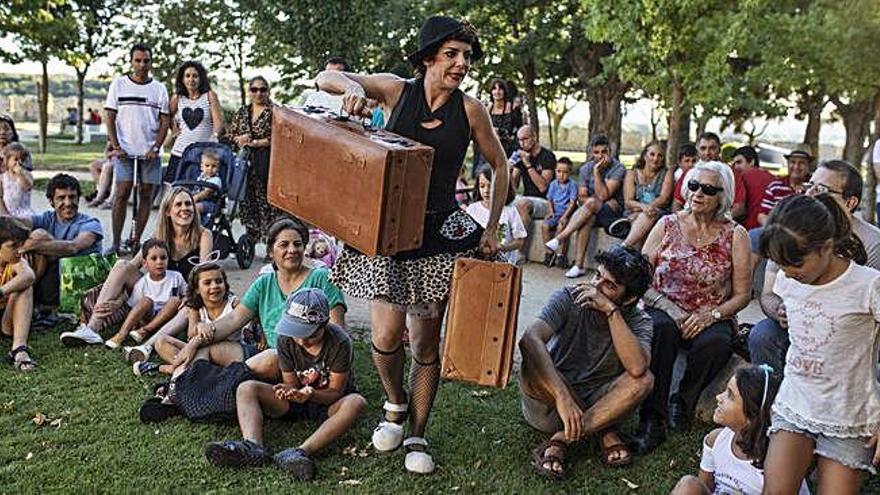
(64, 155)
(480, 442)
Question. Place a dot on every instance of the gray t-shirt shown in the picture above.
(870, 237)
(615, 171)
(581, 347)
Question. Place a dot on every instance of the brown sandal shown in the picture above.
(624, 456)
(540, 458)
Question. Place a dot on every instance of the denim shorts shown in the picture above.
(150, 172)
(607, 215)
(850, 452)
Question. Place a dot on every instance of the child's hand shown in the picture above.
(300, 396)
(282, 390)
(107, 308)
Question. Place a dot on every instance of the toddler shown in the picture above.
(210, 164)
(16, 181)
(562, 198)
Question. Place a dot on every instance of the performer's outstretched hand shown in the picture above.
(354, 101)
(489, 243)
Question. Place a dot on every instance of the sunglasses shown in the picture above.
(259, 89)
(708, 189)
(818, 188)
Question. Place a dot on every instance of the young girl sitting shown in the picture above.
(733, 455)
(209, 298)
(828, 406)
(510, 226)
(16, 181)
(16, 293)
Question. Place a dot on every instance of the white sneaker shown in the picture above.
(418, 460)
(81, 336)
(552, 244)
(575, 272)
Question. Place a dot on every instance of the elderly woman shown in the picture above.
(251, 127)
(701, 280)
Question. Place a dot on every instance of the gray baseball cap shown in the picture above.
(305, 311)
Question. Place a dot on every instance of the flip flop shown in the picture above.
(540, 457)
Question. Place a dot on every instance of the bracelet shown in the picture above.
(611, 313)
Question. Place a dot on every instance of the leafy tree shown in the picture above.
(42, 30)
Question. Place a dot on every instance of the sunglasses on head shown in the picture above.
(708, 189)
(259, 89)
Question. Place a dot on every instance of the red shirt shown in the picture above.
(776, 191)
(755, 181)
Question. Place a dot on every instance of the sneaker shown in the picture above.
(296, 462)
(237, 453)
(115, 342)
(145, 368)
(575, 272)
(81, 336)
(137, 336)
(133, 354)
(552, 244)
(620, 228)
(548, 259)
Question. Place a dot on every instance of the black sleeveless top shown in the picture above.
(450, 139)
(183, 265)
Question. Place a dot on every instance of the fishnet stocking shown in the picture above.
(389, 366)
(424, 378)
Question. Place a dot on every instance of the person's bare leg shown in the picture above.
(135, 316)
(582, 241)
(578, 218)
(690, 485)
(225, 353)
(95, 167)
(788, 459)
(122, 277)
(252, 400)
(265, 366)
(145, 204)
(162, 317)
(167, 347)
(20, 308)
(341, 416)
(104, 184)
(838, 479)
(639, 230)
(120, 204)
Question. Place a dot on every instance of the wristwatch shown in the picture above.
(716, 315)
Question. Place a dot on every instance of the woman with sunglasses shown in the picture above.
(251, 128)
(188, 242)
(702, 279)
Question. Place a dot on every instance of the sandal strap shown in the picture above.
(395, 408)
(18, 350)
(417, 444)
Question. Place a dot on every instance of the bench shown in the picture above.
(94, 133)
(599, 240)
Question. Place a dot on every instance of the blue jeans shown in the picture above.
(768, 344)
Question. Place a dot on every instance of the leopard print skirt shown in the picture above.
(413, 277)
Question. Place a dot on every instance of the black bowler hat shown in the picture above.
(435, 31)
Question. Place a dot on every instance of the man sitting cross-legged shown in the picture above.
(585, 361)
(315, 357)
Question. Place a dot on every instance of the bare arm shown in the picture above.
(24, 278)
(629, 192)
(770, 302)
(653, 298)
(665, 191)
(110, 117)
(229, 324)
(533, 346)
(60, 249)
(742, 275)
(337, 315)
(384, 88)
(206, 244)
(175, 127)
(738, 210)
(334, 391)
(216, 113)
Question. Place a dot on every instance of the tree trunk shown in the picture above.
(869, 201)
(550, 137)
(676, 111)
(80, 101)
(43, 99)
(239, 72)
(812, 108)
(529, 76)
(856, 117)
(605, 112)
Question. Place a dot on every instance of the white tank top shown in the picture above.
(193, 118)
(205, 318)
(732, 474)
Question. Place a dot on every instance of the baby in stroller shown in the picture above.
(210, 165)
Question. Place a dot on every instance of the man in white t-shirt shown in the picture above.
(137, 122)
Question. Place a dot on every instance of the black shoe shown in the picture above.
(679, 419)
(650, 435)
(619, 228)
(296, 462)
(562, 262)
(235, 453)
(548, 259)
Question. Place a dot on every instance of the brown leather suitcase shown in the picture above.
(367, 187)
(481, 322)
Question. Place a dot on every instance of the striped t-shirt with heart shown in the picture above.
(193, 118)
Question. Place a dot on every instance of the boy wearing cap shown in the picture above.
(315, 358)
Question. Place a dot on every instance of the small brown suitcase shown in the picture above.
(481, 322)
(367, 187)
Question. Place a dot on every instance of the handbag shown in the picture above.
(79, 274)
(206, 392)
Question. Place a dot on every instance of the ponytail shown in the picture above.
(846, 244)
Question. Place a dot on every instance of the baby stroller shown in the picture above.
(232, 173)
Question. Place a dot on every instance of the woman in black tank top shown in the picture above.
(432, 110)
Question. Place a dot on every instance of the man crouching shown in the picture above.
(315, 357)
(585, 361)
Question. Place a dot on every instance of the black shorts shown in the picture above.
(309, 411)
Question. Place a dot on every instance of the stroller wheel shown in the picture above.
(244, 252)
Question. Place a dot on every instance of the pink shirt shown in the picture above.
(694, 277)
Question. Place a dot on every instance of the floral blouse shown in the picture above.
(693, 277)
(260, 129)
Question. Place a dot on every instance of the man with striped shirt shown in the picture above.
(799, 161)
